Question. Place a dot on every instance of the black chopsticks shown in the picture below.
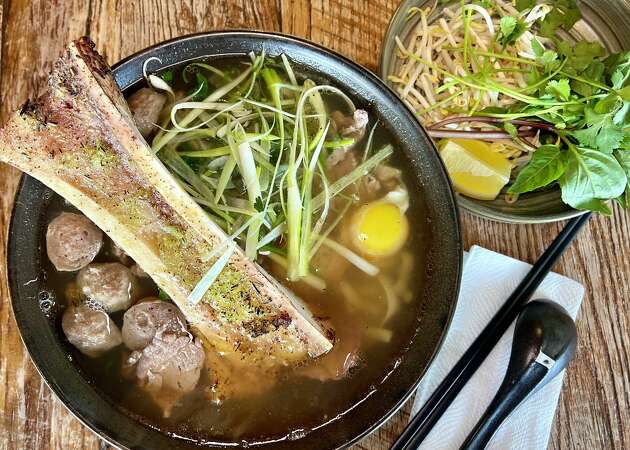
(445, 393)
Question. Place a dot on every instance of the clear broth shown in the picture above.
(296, 404)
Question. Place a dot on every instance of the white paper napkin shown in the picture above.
(488, 278)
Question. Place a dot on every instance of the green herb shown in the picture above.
(525, 4)
(549, 60)
(618, 68)
(167, 76)
(538, 49)
(547, 165)
(600, 131)
(162, 295)
(201, 88)
(565, 14)
(510, 30)
(582, 95)
(583, 54)
(559, 89)
(591, 178)
(344, 142)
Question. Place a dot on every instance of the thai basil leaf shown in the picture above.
(596, 205)
(548, 164)
(623, 156)
(590, 178)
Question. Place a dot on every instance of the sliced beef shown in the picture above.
(353, 126)
(341, 161)
(146, 106)
(344, 159)
(111, 285)
(90, 330)
(171, 362)
(369, 187)
(340, 362)
(72, 241)
(389, 176)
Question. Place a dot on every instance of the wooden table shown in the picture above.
(594, 409)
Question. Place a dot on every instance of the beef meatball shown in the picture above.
(90, 330)
(111, 285)
(72, 241)
(145, 106)
(148, 317)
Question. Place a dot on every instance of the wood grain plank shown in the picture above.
(296, 17)
(594, 408)
(354, 28)
(121, 28)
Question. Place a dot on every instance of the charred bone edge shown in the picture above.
(89, 66)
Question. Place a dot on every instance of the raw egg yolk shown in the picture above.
(379, 229)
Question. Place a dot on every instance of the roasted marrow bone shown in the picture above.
(79, 139)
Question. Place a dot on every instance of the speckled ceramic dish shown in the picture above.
(605, 21)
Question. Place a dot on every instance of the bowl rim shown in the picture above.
(105, 432)
(470, 205)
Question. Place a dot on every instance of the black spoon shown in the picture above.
(544, 343)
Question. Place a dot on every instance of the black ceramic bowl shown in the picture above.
(33, 303)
